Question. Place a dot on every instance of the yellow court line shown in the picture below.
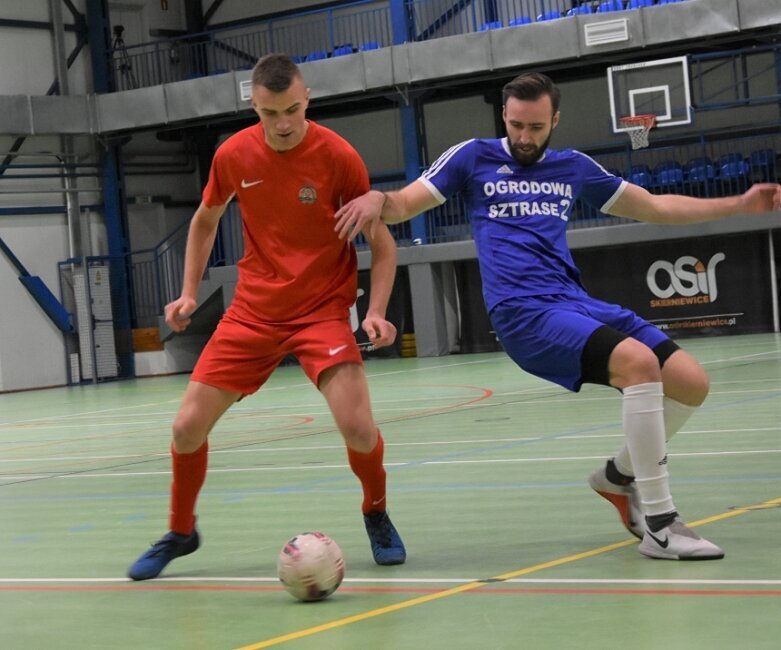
(480, 583)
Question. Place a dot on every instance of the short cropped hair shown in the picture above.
(530, 86)
(275, 72)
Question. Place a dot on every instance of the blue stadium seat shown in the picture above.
(638, 4)
(734, 174)
(369, 45)
(667, 2)
(669, 175)
(548, 15)
(610, 5)
(640, 175)
(699, 170)
(297, 58)
(700, 175)
(734, 169)
(494, 24)
(316, 56)
(763, 165)
(343, 50)
(582, 9)
(520, 20)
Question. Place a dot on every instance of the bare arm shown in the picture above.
(383, 271)
(200, 240)
(391, 207)
(637, 203)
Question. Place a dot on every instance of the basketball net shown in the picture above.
(638, 127)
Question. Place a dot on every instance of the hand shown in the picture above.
(352, 217)
(380, 331)
(178, 312)
(762, 197)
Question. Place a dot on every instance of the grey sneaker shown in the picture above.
(678, 542)
(625, 498)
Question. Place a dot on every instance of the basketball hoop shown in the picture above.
(638, 126)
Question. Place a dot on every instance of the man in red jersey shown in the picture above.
(297, 282)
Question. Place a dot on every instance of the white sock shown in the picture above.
(675, 416)
(643, 414)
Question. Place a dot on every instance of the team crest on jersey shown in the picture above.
(307, 194)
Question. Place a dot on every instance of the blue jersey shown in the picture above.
(519, 214)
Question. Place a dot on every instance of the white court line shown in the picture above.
(423, 581)
(429, 443)
(293, 468)
(772, 354)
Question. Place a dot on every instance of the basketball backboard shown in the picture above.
(659, 87)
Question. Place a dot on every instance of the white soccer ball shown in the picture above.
(311, 566)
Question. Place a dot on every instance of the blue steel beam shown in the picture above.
(114, 204)
(36, 287)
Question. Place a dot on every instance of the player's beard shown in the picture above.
(527, 158)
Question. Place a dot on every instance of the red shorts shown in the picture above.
(241, 356)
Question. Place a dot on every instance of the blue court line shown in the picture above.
(228, 495)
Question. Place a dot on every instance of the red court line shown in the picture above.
(551, 591)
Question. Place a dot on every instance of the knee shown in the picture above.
(685, 380)
(639, 367)
(187, 435)
(359, 436)
(697, 388)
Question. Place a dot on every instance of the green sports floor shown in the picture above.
(487, 468)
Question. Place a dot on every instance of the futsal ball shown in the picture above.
(311, 566)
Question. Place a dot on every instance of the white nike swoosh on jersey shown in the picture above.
(378, 501)
(245, 184)
(333, 351)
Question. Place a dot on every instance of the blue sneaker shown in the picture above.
(387, 546)
(170, 546)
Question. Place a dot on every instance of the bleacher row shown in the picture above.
(605, 6)
(701, 176)
(729, 174)
(587, 8)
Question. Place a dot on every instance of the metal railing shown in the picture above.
(320, 33)
(317, 33)
(157, 274)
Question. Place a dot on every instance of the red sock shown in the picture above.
(189, 474)
(370, 471)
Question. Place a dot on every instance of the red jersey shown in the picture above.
(295, 268)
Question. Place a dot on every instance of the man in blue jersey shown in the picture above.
(520, 195)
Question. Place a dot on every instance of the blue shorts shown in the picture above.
(545, 335)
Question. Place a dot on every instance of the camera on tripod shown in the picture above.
(125, 67)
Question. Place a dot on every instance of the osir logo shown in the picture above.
(687, 277)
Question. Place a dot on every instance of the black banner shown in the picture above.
(477, 332)
(687, 287)
(399, 312)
